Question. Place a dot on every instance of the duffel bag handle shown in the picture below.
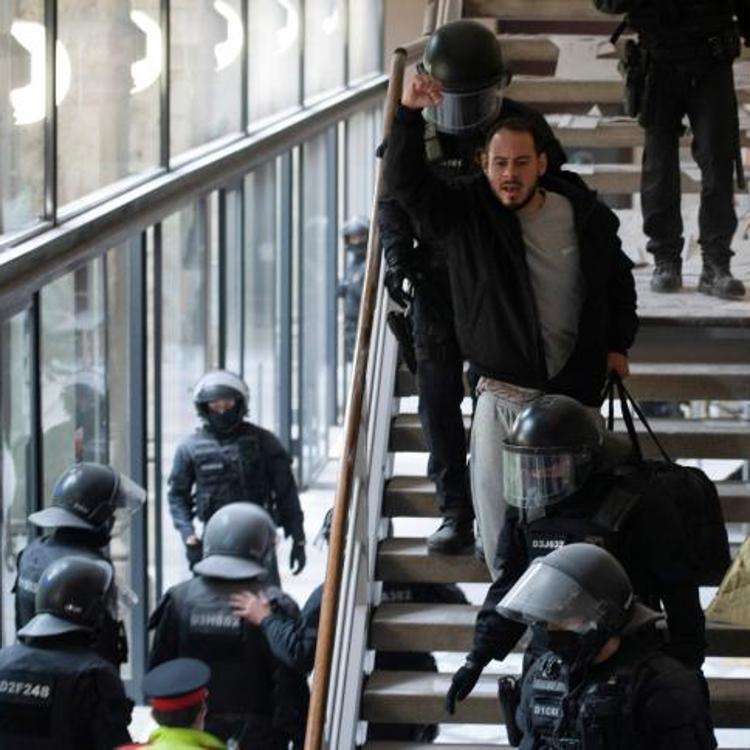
(628, 405)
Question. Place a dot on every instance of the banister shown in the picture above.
(352, 425)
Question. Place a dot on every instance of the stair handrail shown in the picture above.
(372, 292)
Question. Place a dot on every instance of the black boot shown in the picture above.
(455, 535)
(667, 276)
(717, 280)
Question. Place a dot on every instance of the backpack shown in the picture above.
(692, 493)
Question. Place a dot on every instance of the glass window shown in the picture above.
(325, 28)
(263, 252)
(121, 394)
(23, 75)
(233, 268)
(365, 38)
(206, 42)
(318, 303)
(108, 93)
(275, 46)
(184, 351)
(15, 437)
(362, 131)
(73, 371)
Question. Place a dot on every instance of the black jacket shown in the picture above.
(638, 699)
(248, 686)
(57, 694)
(493, 301)
(249, 465)
(680, 22)
(650, 544)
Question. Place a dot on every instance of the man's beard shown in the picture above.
(529, 197)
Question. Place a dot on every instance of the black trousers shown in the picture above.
(704, 91)
(441, 392)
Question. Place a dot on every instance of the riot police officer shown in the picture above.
(466, 57)
(228, 460)
(293, 638)
(684, 67)
(355, 233)
(56, 692)
(86, 501)
(564, 485)
(252, 697)
(597, 684)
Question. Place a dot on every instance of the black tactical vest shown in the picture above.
(111, 642)
(674, 23)
(228, 470)
(597, 715)
(601, 527)
(37, 688)
(242, 667)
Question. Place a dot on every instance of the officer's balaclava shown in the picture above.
(356, 243)
(576, 650)
(229, 420)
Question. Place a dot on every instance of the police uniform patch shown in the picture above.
(213, 622)
(26, 688)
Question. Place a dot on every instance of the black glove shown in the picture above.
(194, 552)
(394, 283)
(462, 684)
(297, 557)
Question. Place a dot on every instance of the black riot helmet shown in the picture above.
(466, 58)
(91, 497)
(356, 226)
(550, 452)
(74, 594)
(219, 385)
(579, 588)
(236, 541)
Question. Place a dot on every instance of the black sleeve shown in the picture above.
(742, 10)
(396, 234)
(495, 635)
(621, 295)
(106, 710)
(284, 488)
(181, 480)
(436, 207)
(163, 622)
(292, 639)
(673, 713)
(659, 539)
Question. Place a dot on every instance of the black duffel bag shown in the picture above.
(691, 492)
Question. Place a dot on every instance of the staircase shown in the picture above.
(690, 348)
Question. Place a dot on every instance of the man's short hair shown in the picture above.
(515, 124)
(183, 718)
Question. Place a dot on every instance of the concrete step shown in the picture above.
(578, 132)
(538, 10)
(659, 381)
(405, 559)
(539, 48)
(681, 438)
(548, 90)
(399, 697)
(415, 496)
(623, 179)
(450, 627)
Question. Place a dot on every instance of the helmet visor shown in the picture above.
(534, 479)
(128, 498)
(462, 111)
(547, 596)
